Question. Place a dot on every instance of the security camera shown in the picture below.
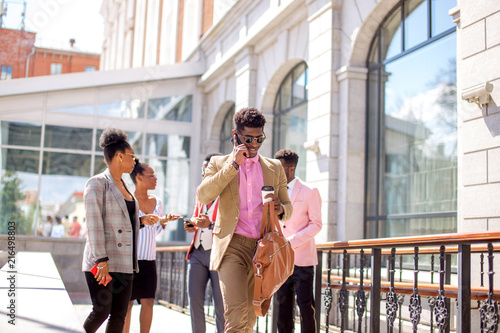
(312, 145)
(479, 94)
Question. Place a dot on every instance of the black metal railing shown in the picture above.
(410, 284)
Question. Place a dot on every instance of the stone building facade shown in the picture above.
(369, 93)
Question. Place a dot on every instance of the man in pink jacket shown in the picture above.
(300, 230)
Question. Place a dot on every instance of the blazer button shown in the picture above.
(119, 244)
(119, 231)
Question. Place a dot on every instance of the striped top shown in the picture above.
(146, 243)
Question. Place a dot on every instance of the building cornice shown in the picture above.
(94, 79)
(267, 22)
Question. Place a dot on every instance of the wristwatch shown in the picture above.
(211, 227)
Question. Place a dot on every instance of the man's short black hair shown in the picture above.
(290, 157)
(249, 117)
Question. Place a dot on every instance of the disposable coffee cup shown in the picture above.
(265, 191)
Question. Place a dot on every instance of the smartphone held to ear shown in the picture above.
(240, 143)
(188, 223)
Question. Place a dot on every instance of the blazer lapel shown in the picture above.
(234, 183)
(116, 192)
(267, 171)
(296, 191)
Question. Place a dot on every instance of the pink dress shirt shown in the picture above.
(251, 180)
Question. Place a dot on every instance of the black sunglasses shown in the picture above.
(249, 139)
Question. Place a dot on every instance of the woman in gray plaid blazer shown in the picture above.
(112, 215)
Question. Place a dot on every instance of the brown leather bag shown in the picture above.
(273, 261)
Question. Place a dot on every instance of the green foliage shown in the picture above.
(10, 195)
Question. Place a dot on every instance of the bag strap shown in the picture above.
(273, 220)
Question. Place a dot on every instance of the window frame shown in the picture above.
(6, 72)
(278, 99)
(376, 46)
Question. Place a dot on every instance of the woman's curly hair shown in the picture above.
(113, 140)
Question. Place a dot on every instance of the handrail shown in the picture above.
(426, 250)
(172, 249)
(368, 255)
(437, 239)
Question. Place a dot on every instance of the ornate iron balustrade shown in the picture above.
(354, 279)
(337, 268)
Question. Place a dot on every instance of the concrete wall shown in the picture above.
(478, 53)
(67, 254)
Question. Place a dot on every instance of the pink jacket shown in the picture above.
(304, 224)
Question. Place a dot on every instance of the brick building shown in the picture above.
(19, 57)
(15, 47)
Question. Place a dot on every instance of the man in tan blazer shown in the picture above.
(237, 179)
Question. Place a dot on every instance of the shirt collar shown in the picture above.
(254, 159)
(292, 184)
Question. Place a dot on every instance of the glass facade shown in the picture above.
(411, 180)
(290, 116)
(44, 166)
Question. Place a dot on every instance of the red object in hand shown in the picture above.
(93, 270)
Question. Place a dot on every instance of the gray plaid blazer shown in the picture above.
(109, 227)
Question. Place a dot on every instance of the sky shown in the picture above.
(57, 21)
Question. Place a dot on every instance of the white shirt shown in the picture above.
(204, 235)
(146, 242)
(290, 187)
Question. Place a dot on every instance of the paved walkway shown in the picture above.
(41, 303)
(164, 320)
(33, 297)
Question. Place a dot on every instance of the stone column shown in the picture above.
(323, 115)
(351, 152)
(246, 73)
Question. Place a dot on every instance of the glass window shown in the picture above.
(412, 132)
(77, 109)
(226, 145)
(290, 112)
(390, 36)
(441, 21)
(176, 108)
(415, 22)
(20, 134)
(90, 68)
(6, 73)
(62, 185)
(99, 164)
(18, 189)
(123, 109)
(172, 146)
(68, 137)
(173, 190)
(299, 84)
(55, 68)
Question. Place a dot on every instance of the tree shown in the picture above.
(10, 194)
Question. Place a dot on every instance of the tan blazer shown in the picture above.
(221, 180)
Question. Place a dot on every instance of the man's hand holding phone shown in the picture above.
(239, 149)
(203, 221)
(189, 225)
